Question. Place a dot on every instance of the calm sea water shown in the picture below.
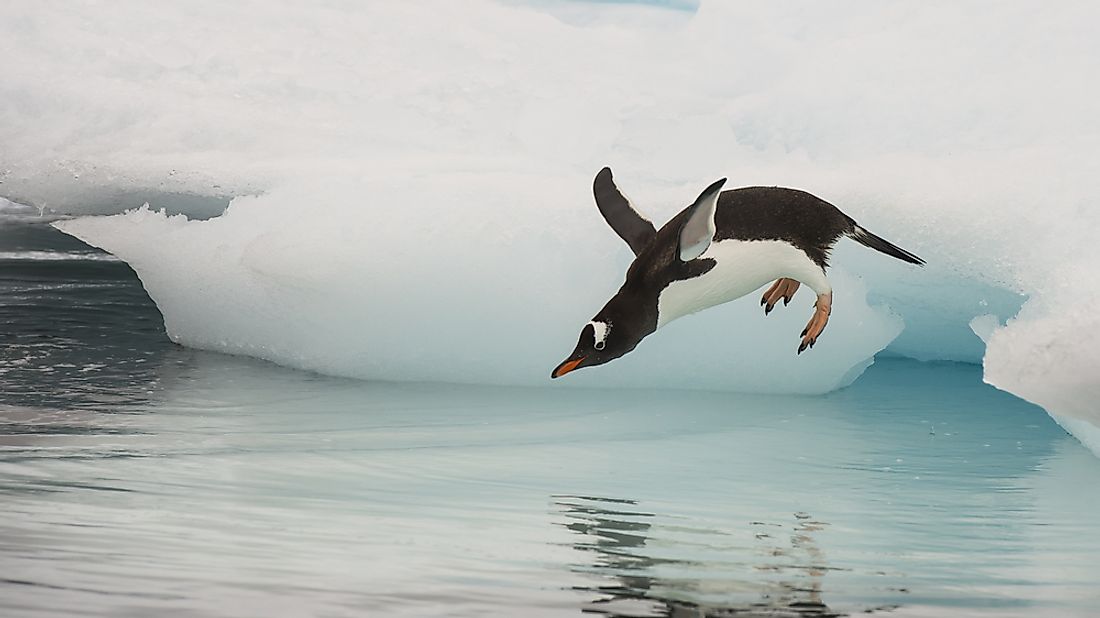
(139, 478)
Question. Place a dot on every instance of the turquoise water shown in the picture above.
(140, 478)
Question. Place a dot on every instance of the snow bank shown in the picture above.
(421, 176)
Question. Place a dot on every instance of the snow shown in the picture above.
(410, 182)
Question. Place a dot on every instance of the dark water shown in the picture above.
(139, 478)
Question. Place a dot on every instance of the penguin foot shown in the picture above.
(782, 288)
(822, 308)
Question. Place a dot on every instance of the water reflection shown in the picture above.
(782, 574)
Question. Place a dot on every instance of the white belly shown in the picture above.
(742, 266)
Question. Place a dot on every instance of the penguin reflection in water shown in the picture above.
(723, 246)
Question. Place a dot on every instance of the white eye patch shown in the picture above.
(601, 330)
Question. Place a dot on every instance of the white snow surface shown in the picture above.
(410, 182)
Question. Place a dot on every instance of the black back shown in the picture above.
(775, 213)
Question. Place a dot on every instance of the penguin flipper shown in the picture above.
(697, 231)
(616, 209)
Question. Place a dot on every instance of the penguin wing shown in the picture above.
(632, 227)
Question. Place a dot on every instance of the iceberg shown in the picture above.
(401, 192)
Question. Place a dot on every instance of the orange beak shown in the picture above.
(566, 367)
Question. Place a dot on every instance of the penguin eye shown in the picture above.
(600, 330)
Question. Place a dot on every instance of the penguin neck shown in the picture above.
(632, 313)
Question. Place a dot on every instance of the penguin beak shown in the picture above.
(566, 367)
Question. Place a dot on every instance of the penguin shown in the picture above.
(723, 246)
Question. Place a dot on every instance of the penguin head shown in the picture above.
(608, 336)
(596, 346)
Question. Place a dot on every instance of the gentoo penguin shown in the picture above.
(723, 246)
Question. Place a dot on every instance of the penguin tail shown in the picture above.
(866, 238)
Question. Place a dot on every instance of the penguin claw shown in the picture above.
(782, 289)
(806, 344)
(813, 330)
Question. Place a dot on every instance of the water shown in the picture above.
(140, 478)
